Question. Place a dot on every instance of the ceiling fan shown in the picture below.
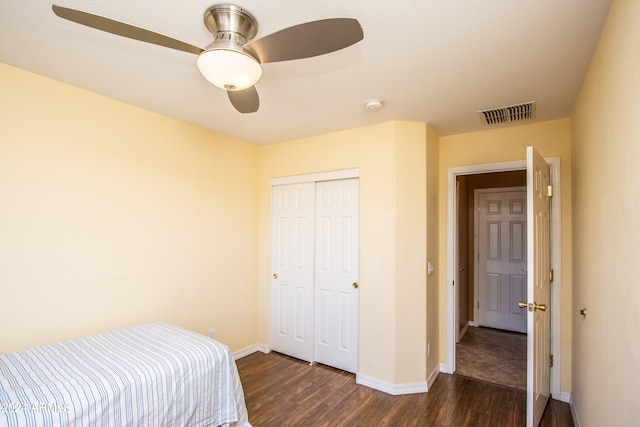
(232, 61)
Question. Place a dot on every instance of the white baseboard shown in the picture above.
(565, 397)
(250, 350)
(393, 389)
(574, 414)
(433, 377)
(445, 369)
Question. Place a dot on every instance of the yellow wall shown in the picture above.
(551, 139)
(411, 253)
(606, 201)
(111, 215)
(391, 160)
(434, 235)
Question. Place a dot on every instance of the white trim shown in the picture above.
(565, 397)
(556, 251)
(444, 368)
(393, 389)
(250, 350)
(432, 377)
(574, 413)
(315, 177)
(556, 285)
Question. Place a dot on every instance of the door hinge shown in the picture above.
(549, 191)
(551, 360)
(551, 275)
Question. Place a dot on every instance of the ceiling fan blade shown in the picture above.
(245, 101)
(122, 29)
(307, 40)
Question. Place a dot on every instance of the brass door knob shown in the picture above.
(532, 307)
(275, 276)
(541, 307)
(355, 285)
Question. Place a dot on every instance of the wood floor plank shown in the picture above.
(283, 391)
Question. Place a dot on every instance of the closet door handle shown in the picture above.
(355, 285)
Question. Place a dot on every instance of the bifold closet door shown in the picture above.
(336, 275)
(292, 265)
(314, 259)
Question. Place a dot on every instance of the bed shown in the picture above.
(153, 374)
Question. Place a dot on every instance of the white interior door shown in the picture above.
(315, 266)
(502, 261)
(292, 265)
(337, 274)
(538, 287)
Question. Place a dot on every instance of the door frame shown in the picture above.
(556, 264)
(314, 177)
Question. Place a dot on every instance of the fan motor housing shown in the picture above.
(227, 22)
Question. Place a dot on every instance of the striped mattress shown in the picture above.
(153, 374)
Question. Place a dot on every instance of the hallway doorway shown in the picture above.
(467, 263)
(459, 275)
(489, 354)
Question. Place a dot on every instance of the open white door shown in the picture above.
(538, 287)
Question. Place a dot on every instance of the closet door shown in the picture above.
(314, 263)
(336, 274)
(292, 266)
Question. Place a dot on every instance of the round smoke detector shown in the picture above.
(373, 104)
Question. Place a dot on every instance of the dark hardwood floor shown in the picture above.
(282, 391)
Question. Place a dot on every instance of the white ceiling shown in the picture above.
(431, 61)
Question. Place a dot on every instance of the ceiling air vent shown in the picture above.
(512, 113)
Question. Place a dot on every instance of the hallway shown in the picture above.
(493, 355)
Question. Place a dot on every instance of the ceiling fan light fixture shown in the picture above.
(232, 61)
(229, 69)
